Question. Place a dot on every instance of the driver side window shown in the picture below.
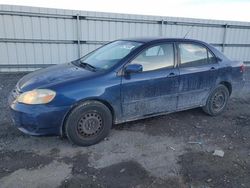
(156, 57)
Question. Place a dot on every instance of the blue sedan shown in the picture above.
(122, 81)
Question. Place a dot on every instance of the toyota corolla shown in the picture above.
(122, 81)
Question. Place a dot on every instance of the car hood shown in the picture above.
(52, 75)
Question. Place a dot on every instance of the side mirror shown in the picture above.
(133, 68)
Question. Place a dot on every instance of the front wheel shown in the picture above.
(217, 101)
(88, 123)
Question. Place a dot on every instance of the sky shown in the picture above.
(237, 10)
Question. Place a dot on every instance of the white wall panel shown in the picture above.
(41, 36)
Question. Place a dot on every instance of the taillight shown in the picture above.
(242, 68)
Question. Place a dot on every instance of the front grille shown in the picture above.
(13, 95)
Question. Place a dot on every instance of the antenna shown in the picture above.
(188, 31)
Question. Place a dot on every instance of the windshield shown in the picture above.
(110, 54)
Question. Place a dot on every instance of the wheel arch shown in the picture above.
(104, 102)
(228, 86)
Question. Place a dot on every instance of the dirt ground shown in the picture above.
(171, 151)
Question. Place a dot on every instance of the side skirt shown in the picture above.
(153, 115)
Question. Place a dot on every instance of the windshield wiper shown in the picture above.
(82, 63)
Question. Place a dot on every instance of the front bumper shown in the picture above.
(38, 119)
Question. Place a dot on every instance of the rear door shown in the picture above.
(154, 90)
(198, 73)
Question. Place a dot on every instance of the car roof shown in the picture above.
(159, 39)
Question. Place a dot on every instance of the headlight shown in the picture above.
(37, 96)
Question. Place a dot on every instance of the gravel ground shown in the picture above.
(174, 151)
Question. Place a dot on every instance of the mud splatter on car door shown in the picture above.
(155, 89)
(198, 74)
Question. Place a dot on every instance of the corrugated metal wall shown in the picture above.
(35, 37)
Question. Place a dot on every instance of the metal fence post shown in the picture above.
(224, 37)
(162, 25)
(78, 35)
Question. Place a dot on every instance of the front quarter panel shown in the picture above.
(105, 88)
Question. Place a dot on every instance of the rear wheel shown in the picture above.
(88, 123)
(217, 101)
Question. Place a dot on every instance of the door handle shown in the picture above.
(171, 75)
(212, 68)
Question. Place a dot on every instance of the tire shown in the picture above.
(217, 101)
(88, 123)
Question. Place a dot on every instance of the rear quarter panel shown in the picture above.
(230, 71)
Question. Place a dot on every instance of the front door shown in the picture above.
(154, 90)
(198, 73)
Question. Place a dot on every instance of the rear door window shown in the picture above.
(211, 58)
(193, 55)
